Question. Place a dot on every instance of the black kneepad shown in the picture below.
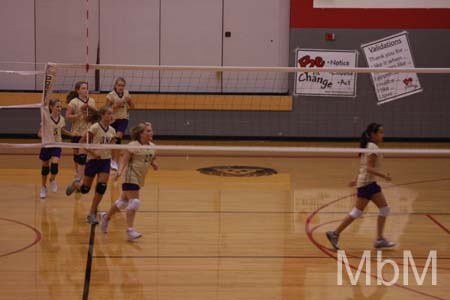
(85, 189)
(118, 141)
(100, 188)
(45, 171)
(81, 159)
(54, 168)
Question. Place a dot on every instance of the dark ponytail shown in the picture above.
(74, 94)
(365, 136)
(96, 115)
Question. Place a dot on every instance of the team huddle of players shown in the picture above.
(104, 125)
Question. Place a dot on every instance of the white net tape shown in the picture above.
(35, 105)
(252, 69)
(255, 149)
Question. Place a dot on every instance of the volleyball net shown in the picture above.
(264, 103)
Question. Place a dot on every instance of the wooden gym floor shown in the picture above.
(211, 237)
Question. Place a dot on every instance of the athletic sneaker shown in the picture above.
(114, 165)
(53, 186)
(333, 238)
(91, 219)
(133, 235)
(104, 222)
(43, 192)
(383, 243)
(71, 188)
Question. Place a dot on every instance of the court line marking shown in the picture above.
(351, 255)
(327, 251)
(37, 239)
(87, 274)
(279, 212)
(309, 234)
(438, 223)
(212, 257)
(235, 257)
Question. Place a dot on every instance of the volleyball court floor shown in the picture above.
(222, 237)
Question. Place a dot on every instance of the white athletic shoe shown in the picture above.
(133, 235)
(53, 186)
(383, 243)
(43, 192)
(104, 222)
(114, 165)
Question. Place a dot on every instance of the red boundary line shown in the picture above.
(438, 223)
(349, 254)
(309, 233)
(36, 240)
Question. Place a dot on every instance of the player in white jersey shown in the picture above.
(99, 161)
(120, 101)
(80, 110)
(134, 164)
(51, 128)
(367, 188)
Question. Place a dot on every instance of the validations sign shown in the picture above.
(316, 83)
(392, 52)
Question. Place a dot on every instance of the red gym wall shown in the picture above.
(303, 15)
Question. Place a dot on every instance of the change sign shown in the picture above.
(316, 83)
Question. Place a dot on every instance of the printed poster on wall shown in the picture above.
(316, 83)
(392, 52)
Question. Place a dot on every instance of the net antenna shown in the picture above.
(49, 80)
(87, 56)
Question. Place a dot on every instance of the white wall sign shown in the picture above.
(392, 52)
(316, 83)
(381, 4)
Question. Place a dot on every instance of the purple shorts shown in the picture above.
(47, 153)
(120, 125)
(96, 166)
(75, 139)
(130, 187)
(367, 191)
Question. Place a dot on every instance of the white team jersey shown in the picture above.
(139, 164)
(120, 112)
(101, 135)
(364, 177)
(51, 128)
(80, 125)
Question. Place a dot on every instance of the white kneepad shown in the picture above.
(121, 204)
(384, 211)
(133, 204)
(355, 213)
